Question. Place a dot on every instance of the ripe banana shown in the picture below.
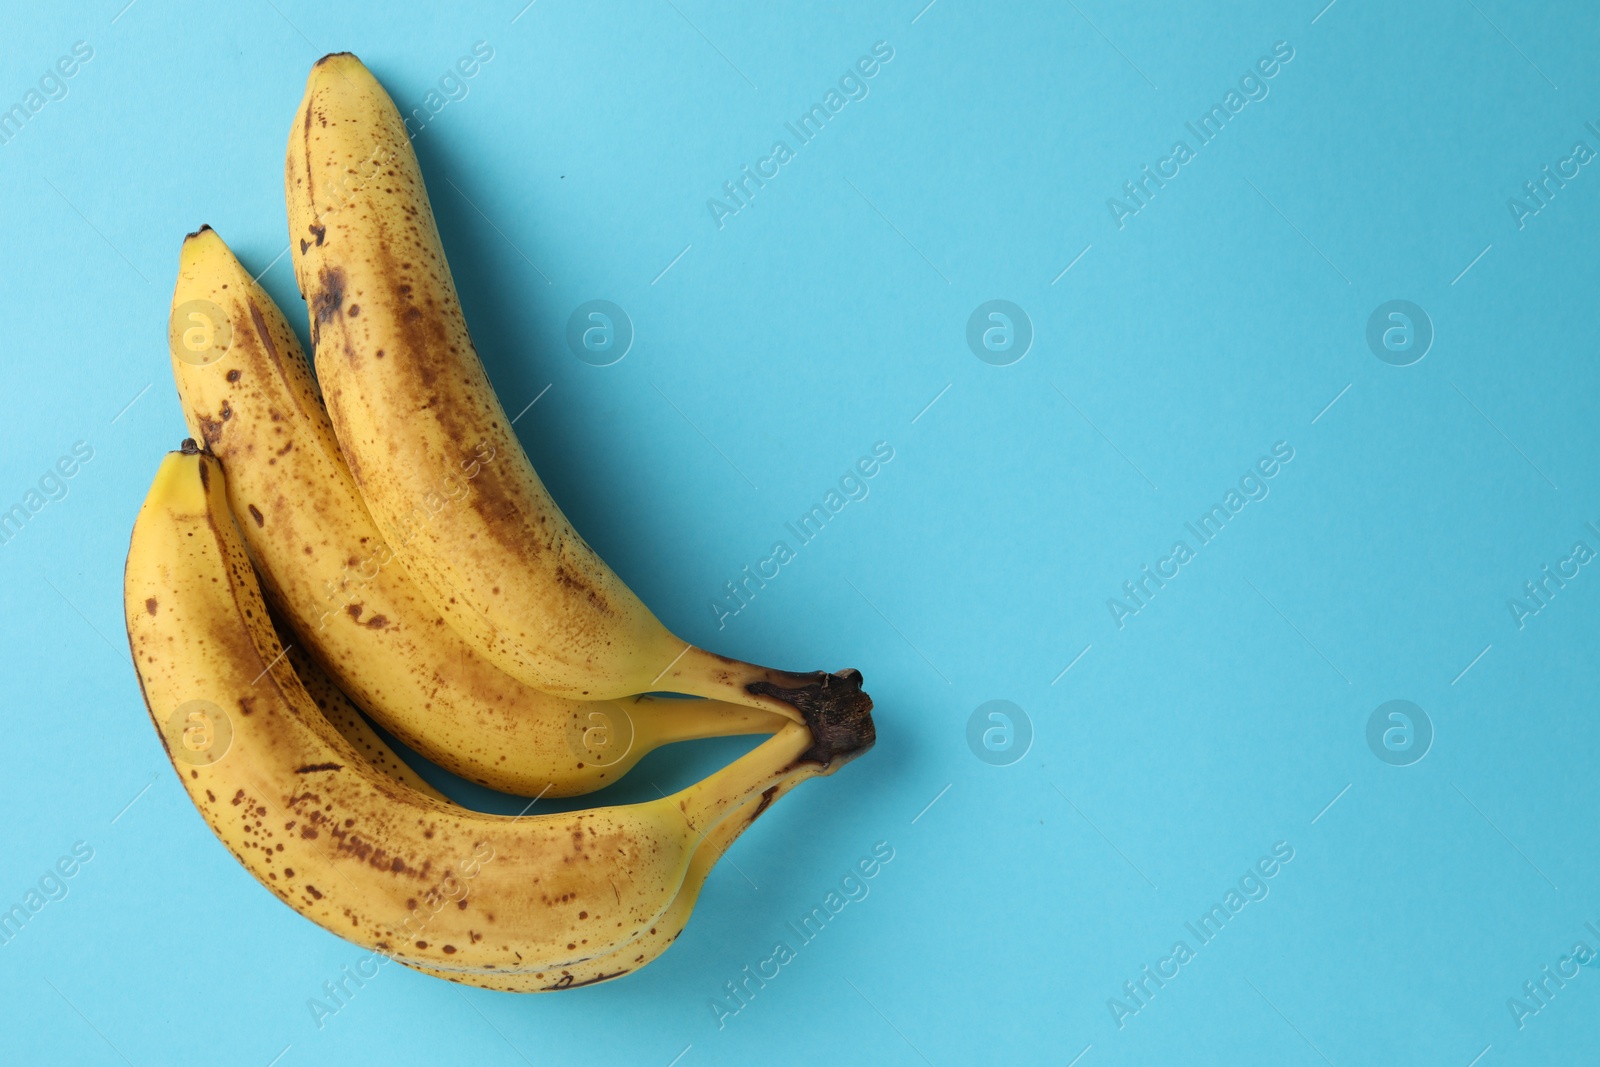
(663, 933)
(367, 857)
(246, 391)
(416, 418)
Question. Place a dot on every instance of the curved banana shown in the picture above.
(430, 447)
(246, 391)
(663, 933)
(355, 851)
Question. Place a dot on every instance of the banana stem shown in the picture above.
(838, 728)
(668, 720)
(705, 803)
(804, 698)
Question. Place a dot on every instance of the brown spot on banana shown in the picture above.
(262, 332)
(328, 300)
(211, 430)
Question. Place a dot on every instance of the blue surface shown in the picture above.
(1227, 717)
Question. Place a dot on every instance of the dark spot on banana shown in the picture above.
(328, 300)
(262, 332)
(233, 375)
(150, 605)
(313, 767)
(255, 513)
(766, 802)
(567, 982)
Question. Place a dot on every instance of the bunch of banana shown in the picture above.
(402, 558)
(354, 607)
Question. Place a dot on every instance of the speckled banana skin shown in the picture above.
(346, 718)
(412, 406)
(357, 852)
(661, 935)
(328, 571)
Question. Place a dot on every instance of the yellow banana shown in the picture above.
(247, 392)
(418, 422)
(663, 933)
(361, 854)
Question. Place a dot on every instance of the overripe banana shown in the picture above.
(247, 392)
(363, 855)
(661, 935)
(415, 417)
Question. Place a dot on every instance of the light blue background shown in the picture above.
(1224, 317)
